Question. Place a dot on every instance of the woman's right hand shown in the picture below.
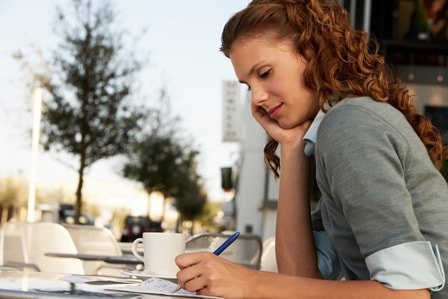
(284, 137)
(208, 274)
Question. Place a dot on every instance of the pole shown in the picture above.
(37, 108)
(367, 16)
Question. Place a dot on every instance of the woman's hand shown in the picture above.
(208, 274)
(281, 135)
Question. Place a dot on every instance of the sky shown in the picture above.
(182, 42)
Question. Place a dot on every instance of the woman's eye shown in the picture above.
(265, 74)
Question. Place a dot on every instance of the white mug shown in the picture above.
(159, 252)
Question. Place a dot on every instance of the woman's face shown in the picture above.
(273, 72)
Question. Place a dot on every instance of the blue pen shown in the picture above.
(218, 251)
(226, 243)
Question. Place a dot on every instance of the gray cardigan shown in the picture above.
(381, 194)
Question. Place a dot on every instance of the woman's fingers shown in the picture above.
(208, 274)
(193, 270)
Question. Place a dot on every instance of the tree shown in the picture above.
(192, 204)
(162, 161)
(90, 82)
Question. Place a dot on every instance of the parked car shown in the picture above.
(68, 216)
(62, 213)
(135, 226)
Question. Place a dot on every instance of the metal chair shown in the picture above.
(24, 245)
(246, 250)
(13, 252)
(44, 237)
(90, 239)
(268, 258)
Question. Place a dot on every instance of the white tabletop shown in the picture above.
(112, 259)
(19, 284)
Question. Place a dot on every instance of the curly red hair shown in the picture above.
(342, 61)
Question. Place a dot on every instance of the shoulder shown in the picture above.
(361, 127)
(362, 109)
(363, 118)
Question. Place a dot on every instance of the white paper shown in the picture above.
(159, 286)
(95, 279)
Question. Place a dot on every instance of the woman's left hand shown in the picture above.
(208, 274)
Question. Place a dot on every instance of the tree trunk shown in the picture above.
(78, 204)
(192, 228)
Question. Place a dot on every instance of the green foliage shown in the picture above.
(87, 113)
(160, 164)
(191, 200)
(162, 161)
(89, 84)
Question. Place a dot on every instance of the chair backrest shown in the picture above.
(246, 250)
(43, 237)
(13, 245)
(93, 240)
(268, 258)
(90, 239)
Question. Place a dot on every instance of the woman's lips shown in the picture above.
(274, 111)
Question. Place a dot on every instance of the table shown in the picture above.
(38, 285)
(111, 259)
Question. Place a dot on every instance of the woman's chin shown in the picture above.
(287, 125)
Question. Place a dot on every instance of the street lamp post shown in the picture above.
(37, 108)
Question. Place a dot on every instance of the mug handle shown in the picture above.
(134, 249)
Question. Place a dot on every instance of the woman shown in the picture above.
(384, 203)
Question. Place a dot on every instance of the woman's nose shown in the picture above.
(258, 96)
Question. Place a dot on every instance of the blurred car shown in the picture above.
(62, 213)
(68, 216)
(135, 226)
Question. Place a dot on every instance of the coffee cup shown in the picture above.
(159, 252)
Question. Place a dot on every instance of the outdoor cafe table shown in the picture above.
(20, 284)
(111, 259)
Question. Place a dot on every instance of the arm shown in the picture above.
(295, 249)
(294, 242)
(208, 274)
